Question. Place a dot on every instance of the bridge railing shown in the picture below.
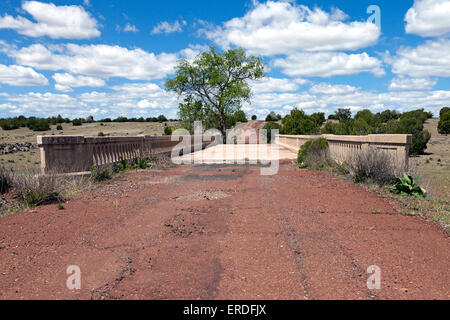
(343, 147)
(72, 154)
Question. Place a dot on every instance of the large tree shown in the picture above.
(218, 80)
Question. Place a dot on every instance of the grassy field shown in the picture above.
(31, 160)
(433, 168)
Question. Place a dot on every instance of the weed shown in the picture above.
(100, 174)
(407, 185)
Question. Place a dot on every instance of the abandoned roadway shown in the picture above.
(223, 232)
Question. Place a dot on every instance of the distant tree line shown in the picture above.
(43, 124)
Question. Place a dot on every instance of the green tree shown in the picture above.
(272, 116)
(220, 81)
(254, 117)
(297, 122)
(269, 126)
(240, 116)
(444, 121)
(343, 114)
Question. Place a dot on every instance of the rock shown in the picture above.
(17, 147)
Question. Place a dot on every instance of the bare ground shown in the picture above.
(210, 232)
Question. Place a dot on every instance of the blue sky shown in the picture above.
(111, 58)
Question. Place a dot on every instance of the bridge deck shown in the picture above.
(239, 153)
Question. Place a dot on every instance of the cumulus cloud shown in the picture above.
(284, 27)
(21, 76)
(428, 18)
(328, 64)
(100, 61)
(130, 28)
(427, 60)
(332, 89)
(68, 22)
(65, 82)
(404, 83)
(269, 84)
(167, 27)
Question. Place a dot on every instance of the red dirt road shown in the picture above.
(211, 232)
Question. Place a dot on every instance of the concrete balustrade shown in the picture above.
(343, 147)
(72, 154)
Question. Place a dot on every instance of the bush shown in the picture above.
(444, 121)
(5, 180)
(373, 165)
(59, 127)
(39, 125)
(76, 122)
(254, 117)
(314, 154)
(101, 134)
(269, 126)
(100, 174)
(32, 189)
(167, 131)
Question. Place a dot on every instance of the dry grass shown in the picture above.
(29, 189)
(433, 168)
(373, 166)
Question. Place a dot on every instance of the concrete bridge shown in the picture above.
(72, 154)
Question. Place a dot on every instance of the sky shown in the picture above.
(111, 58)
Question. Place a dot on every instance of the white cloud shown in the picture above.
(65, 82)
(328, 64)
(428, 18)
(404, 83)
(269, 84)
(100, 61)
(130, 28)
(333, 89)
(284, 27)
(21, 76)
(429, 59)
(69, 22)
(167, 27)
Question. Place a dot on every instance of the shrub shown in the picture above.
(36, 190)
(141, 163)
(122, 165)
(167, 131)
(372, 165)
(406, 185)
(39, 125)
(314, 154)
(76, 122)
(59, 127)
(254, 117)
(100, 174)
(444, 121)
(101, 134)
(443, 110)
(269, 126)
(5, 180)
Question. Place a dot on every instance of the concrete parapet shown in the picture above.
(343, 147)
(70, 154)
